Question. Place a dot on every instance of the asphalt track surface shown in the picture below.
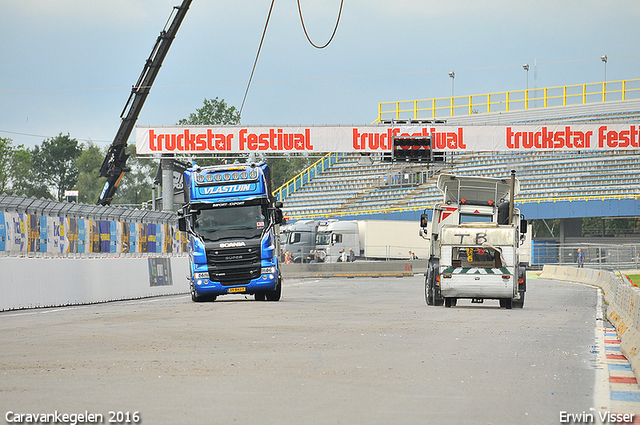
(332, 351)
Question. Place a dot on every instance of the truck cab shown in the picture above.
(336, 236)
(233, 225)
(299, 239)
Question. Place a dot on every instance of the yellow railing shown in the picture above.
(578, 94)
(305, 177)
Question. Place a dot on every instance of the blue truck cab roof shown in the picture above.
(227, 183)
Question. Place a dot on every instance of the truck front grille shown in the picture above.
(234, 266)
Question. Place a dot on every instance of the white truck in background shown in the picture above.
(299, 239)
(368, 239)
(478, 244)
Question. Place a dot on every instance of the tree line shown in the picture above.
(62, 163)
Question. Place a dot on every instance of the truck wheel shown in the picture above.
(195, 298)
(518, 303)
(428, 292)
(275, 294)
(506, 303)
(202, 298)
(260, 296)
(447, 302)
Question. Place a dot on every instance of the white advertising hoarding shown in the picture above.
(378, 138)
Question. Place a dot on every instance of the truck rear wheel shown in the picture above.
(518, 303)
(506, 303)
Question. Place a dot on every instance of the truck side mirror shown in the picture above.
(278, 214)
(424, 220)
(182, 223)
(523, 226)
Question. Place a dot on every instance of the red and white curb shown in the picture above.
(617, 393)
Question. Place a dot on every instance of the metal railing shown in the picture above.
(597, 255)
(577, 94)
(305, 177)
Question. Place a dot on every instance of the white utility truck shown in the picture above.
(477, 241)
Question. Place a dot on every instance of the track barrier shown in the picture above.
(56, 282)
(621, 298)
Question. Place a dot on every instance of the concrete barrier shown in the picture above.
(355, 269)
(621, 298)
(51, 282)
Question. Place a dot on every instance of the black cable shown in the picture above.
(334, 30)
(256, 61)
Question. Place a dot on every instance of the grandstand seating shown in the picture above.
(349, 187)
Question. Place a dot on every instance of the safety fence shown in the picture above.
(596, 255)
(31, 227)
(577, 94)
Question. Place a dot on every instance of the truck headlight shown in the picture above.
(267, 270)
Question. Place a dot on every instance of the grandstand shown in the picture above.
(346, 185)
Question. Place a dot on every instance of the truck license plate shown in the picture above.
(241, 289)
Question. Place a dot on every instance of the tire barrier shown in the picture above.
(621, 298)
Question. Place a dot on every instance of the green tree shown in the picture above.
(25, 180)
(6, 155)
(88, 164)
(213, 112)
(55, 163)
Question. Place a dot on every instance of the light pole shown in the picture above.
(526, 92)
(453, 77)
(604, 83)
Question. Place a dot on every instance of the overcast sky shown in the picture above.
(67, 66)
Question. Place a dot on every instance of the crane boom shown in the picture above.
(114, 164)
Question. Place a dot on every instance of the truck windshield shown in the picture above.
(323, 238)
(237, 222)
(475, 218)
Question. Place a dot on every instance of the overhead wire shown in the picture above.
(255, 62)
(334, 29)
(264, 32)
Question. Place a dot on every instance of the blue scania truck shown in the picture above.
(233, 223)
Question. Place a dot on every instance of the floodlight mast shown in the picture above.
(114, 164)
